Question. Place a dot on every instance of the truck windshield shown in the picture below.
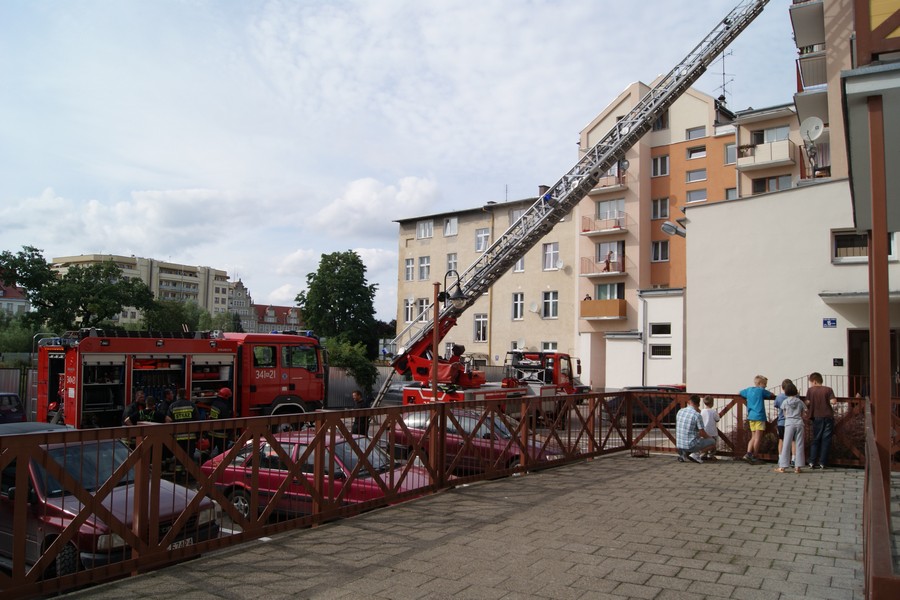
(91, 464)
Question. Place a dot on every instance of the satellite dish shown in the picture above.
(560, 264)
(534, 307)
(811, 128)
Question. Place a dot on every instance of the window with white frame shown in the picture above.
(695, 133)
(450, 226)
(660, 329)
(515, 214)
(660, 351)
(769, 135)
(610, 209)
(730, 154)
(448, 349)
(662, 121)
(451, 261)
(696, 175)
(609, 291)
(695, 195)
(481, 327)
(550, 308)
(410, 269)
(660, 251)
(612, 250)
(660, 208)
(424, 229)
(549, 346)
(659, 166)
(409, 311)
(771, 184)
(518, 306)
(424, 268)
(696, 152)
(551, 256)
(422, 309)
(482, 239)
(519, 267)
(852, 247)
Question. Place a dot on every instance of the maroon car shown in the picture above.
(473, 444)
(235, 479)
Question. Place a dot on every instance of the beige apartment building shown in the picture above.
(207, 287)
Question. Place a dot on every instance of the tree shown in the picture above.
(83, 296)
(171, 315)
(338, 301)
(352, 357)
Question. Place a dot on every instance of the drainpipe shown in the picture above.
(643, 341)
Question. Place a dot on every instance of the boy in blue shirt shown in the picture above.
(756, 414)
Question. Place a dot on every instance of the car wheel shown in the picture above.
(66, 562)
(241, 501)
(514, 464)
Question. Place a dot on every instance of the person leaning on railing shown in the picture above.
(219, 408)
(183, 410)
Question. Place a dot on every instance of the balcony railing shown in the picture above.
(597, 310)
(608, 223)
(811, 68)
(591, 267)
(611, 181)
(763, 156)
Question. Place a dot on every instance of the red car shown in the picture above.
(471, 445)
(235, 479)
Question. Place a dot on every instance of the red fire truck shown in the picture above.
(91, 375)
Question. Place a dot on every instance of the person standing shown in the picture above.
(133, 411)
(821, 411)
(779, 424)
(756, 414)
(219, 408)
(360, 424)
(793, 408)
(690, 437)
(183, 410)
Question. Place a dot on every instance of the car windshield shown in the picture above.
(378, 458)
(91, 464)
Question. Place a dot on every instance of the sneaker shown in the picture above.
(749, 458)
(817, 467)
(680, 458)
(792, 464)
(695, 458)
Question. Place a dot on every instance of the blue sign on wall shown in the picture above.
(829, 323)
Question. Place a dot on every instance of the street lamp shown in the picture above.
(670, 228)
(456, 298)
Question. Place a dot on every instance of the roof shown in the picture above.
(9, 292)
(490, 206)
(281, 314)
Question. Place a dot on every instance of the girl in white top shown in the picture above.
(709, 417)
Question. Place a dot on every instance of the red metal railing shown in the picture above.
(881, 581)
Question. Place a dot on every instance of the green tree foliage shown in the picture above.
(338, 301)
(353, 358)
(15, 334)
(82, 297)
(171, 315)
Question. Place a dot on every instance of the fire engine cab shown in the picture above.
(87, 378)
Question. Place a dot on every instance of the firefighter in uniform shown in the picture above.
(219, 408)
(183, 410)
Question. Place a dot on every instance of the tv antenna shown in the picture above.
(810, 130)
(726, 77)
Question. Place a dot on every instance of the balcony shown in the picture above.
(603, 310)
(610, 183)
(599, 268)
(609, 224)
(811, 69)
(808, 21)
(764, 156)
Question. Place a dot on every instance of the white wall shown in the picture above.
(623, 362)
(756, 268)
(665, 308)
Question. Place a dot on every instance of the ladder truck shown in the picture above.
(415, 343)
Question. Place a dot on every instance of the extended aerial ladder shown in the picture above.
(559, 200)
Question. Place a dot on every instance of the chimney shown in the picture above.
(543, 189)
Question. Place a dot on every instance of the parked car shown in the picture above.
(11, 409)
(655, 399)
(235, 479)
(51, 505)
(472, 446)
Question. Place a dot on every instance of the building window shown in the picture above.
(659, 166)
(852, 247)
(424, 229)
(772, 134)
(450, 226)
(519, 267)
(611, 209)
(410, 269)
(696, 152)
(481, 327)
(696, 195)
(661, 329)
(771, 184)
(550, 308)
(613, 250)
(518, 306)
(551, 256)
(660, 251)
(424, 268)
(451, 261)
(422, 309)
(660, 351)
(482, 238)
(409, 310)
(662, 121)
(731, 193)
(695, 133)
(610, 291)
(549, 346)
(730, 154)
(660, 208)
(696, 175)
(515, 214)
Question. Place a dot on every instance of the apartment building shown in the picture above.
(790, 295)
(240, 302)
(13, 301)
(205, 286)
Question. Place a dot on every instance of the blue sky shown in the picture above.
(255, 135)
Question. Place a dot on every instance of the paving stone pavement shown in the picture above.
(615, 527)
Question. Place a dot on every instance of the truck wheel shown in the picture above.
(241, 501)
